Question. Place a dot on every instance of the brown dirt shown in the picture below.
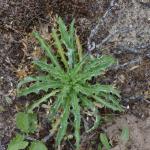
(138, 131)
(131, 75)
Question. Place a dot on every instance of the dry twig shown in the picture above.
(111, 35)
(132, 62)
(91, 45)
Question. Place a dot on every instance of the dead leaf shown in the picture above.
(21, 73)
(36, 54)
(98, 105)
(134, 67)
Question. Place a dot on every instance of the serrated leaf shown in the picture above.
(77, 117)
(58, 102)
(113, 100)
(64, 123)
(59, 47)
(44, 66)
(89, 104)
(68, 39)
(105, 88)
(103, 62)
(26, 122)
(106, 104)
(102, 90)
(39, 86)
(37, 145)
(37, 103)
(104, 140)
(72, 40)
(55, 107)
(53, 71)
(17, 143)
(72, 33)
(97, 67)
(78, 67)
(84, 90)
(47, 49)
(63, 31)
(30, 79)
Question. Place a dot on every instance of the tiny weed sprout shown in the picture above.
(125, 134)
(65, 77)
(105, 142)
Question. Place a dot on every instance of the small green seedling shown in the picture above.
(65, 78)
(18, 143)
(125, 134)
(37, 145)
(104, 141)
(27, 123)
